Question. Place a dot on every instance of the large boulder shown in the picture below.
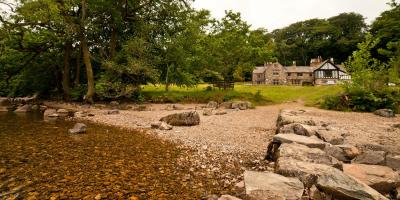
(289, 117)
(268, 185)
(298, 129)
(23, 109)
(78, 128)
(242, 105)
(327, 179)
(303, 153)
(311, 142)
(371, 158)
(381, 178)
(182, 119)
(393, 161)
(344, 153)
(330, 136)
(385, 113)
(226, 105)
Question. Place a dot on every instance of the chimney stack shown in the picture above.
(294, 63)
(332, 61)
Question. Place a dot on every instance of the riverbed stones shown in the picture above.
(207, 112)
(303, 153)
(298, 129)
(393, 161)
(327, 179)
(113, 112)
(78, 128)
(371, 157)
(311, 142)
(226, 105)
(182, 119)
(50, 113)
(80, 114)
(268, 185)
(62, 112)
(330, 136)
(385, 113)
(381, 178)
(344, 153)
(212, 104)
(23, 109)
(161, 125)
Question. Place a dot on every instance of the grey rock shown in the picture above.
(228, 197)
(393, 161)
(288, 117)
(24, 109)
(343, 153)
(113, 112)
(212, 104)
(371, 158)
(207, 112)
(330, 136)
(327, 179)
(182, 119)
(381, 178)
(62, 112)
(385, 113)
(225, 105)
(268, 185)
(78, 128)
(298, 129)
(221, 112)
(304, 140)
(303, 153)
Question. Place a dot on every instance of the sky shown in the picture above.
(273, 14)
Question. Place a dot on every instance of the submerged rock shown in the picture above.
(78, 128)
(268, 185)
(182, 119)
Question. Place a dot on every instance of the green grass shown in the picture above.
(266, 94)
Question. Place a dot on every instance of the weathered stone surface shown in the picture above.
(182, 119)
(207, 112)
(212, 104)
(268, 185)
(381, 178)
(225, 105)
(23, 109)
(289, 117)
(330, 136)
(303, 153)
(385, 113)
(316, 194)
(327, 179)
(78, 128)
(393, 161)
(113, 112)
(221, 112)
(62, 112)
(343, 153)
(228, 197)
(298, 129)
(304, 140)
(161, 126)
(371, 158)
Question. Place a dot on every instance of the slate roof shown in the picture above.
(259, 70)
(300, 69)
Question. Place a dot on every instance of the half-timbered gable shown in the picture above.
(327, 73)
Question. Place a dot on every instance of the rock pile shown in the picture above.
(317, 156)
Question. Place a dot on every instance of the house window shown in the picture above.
(275, 73)
(289, 74)
(259, 75)
(299, 74)
(275, 82)
(328, 74)
(310, 74)
(295, 82)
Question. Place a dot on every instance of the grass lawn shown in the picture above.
(260, 94)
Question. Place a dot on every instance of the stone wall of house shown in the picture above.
(305, 78)
(326, 81)
(258, 78)
(275, 74)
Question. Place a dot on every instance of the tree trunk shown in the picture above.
(86, 57)
(167, 80)
(78, 67)
(66, 71)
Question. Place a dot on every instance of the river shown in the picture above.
(40, 160)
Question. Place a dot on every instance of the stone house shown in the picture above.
(318, 73)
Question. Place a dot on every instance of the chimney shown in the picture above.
(294, 63)
(332, 61)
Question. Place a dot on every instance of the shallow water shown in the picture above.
(41, 160)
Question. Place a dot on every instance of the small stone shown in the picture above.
(78, 128)
(113, 112)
